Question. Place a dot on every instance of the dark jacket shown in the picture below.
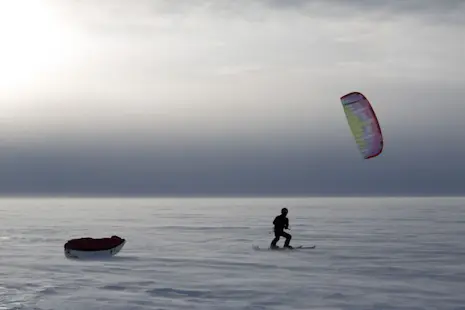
(280, 222)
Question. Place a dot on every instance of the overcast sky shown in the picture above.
(196, 97)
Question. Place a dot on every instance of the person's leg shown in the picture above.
(275, 240)
(288, 238)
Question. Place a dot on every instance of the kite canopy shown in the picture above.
(363, 124)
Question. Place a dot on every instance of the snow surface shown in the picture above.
(372, 253)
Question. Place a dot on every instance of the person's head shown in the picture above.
(284, 211)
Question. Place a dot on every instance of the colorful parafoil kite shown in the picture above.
(363, 124)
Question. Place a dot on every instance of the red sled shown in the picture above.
(89, 247)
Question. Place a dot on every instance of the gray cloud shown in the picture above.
(448, 11)
(407, 167)
(136, 15)
(394, 5)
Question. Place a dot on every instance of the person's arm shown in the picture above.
(287, 224)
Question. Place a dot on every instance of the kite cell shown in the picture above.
(363, 124)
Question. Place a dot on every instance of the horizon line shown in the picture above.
(85, 196)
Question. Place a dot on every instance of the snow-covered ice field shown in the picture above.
(372, 253)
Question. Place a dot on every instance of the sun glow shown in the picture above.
(34, 43)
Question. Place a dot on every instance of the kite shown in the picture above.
(363, 124)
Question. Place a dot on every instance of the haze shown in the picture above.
(229, 98)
